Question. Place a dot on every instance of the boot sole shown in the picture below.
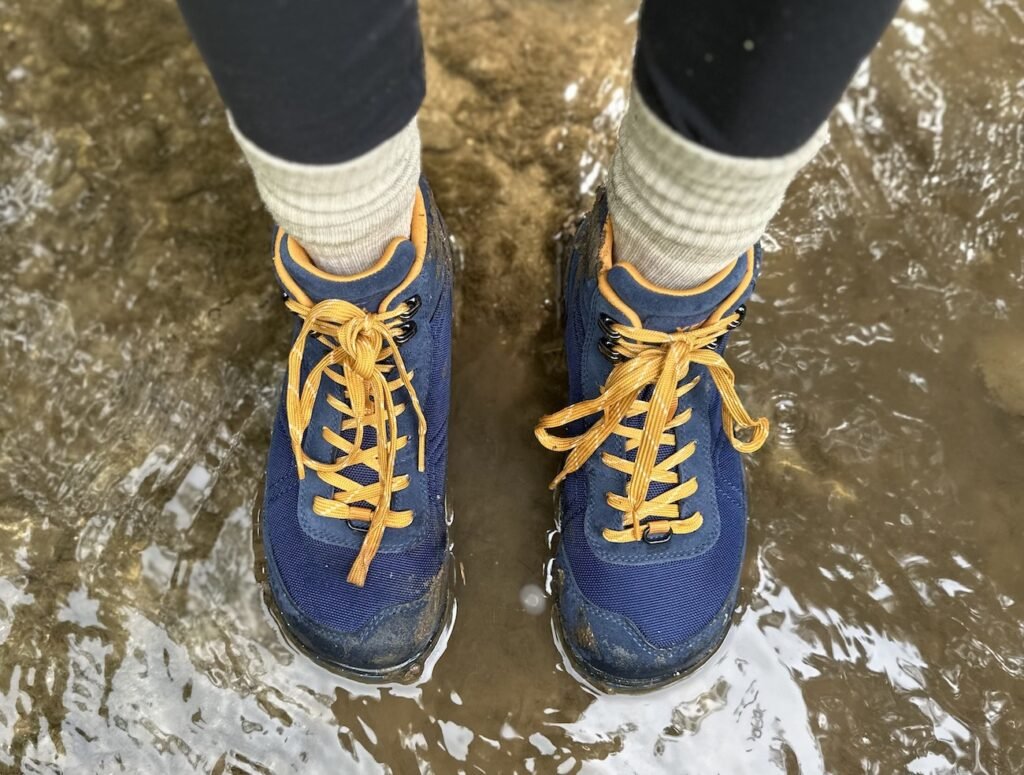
(408, 672)
(606, 682)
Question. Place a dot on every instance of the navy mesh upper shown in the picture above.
(673, 600)
(313, 572)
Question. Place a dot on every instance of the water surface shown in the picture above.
(881, 627)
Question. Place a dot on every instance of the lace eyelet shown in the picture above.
(412, 304)
(606, 322)
(607, 348)
(358, 525)
(407, 331)
(741, 311)
(656, 538)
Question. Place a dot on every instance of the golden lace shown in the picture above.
(360, 344)
(661, 360)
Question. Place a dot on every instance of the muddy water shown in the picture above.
(881, 627)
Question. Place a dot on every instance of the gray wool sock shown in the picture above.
(681, 212)
(344, 214)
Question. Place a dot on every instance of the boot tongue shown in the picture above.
(367, 289)
(665, 310)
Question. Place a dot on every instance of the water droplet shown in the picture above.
(533, 600)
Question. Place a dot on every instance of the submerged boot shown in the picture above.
(653, 509)
(354, 522)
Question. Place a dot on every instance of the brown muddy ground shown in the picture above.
(881, 628)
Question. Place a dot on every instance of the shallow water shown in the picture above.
(880, 628)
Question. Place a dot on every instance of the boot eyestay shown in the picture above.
(412, 307)
(358, 525)
(408, 331)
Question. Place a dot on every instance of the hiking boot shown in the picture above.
(652, 499)
(354, 521)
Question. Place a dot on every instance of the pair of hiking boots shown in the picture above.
(652, 506)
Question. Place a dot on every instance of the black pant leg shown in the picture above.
(752, 77)
(313, 81)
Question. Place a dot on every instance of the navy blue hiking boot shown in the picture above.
(653, 509)
(354, 523)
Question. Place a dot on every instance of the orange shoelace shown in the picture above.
(661, 360)
(361, 343)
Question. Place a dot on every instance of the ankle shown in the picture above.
(344, 215)
(682, 212)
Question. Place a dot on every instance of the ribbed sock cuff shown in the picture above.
(344, 214)
(682, 212)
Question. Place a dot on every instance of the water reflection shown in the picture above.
(880, 628)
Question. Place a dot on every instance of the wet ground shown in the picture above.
(881, 627)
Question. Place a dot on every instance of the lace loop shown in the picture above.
(361, 343)
(661, 361)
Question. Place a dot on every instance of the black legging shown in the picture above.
(323, 81)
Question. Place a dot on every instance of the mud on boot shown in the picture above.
(652, 499)
(353, 523)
